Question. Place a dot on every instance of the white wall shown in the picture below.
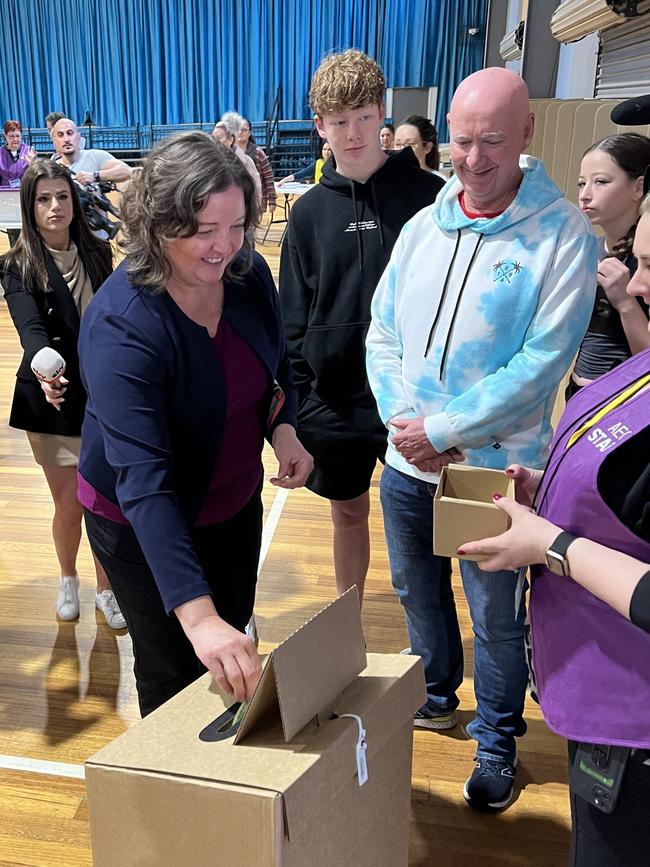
(576, 72)
(514, 17)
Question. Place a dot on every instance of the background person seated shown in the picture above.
(311, 173)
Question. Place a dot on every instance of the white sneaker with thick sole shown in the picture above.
(435, 723)
(107, 604)
(67, 601)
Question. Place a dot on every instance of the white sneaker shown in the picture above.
(67, 602)
(107, 604)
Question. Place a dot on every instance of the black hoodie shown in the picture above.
(338, 243)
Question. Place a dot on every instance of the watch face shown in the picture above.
(556, 563)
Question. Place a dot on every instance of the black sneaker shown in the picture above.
(491, 783)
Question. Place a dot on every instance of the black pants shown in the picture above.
(619, 839)
(164, 659)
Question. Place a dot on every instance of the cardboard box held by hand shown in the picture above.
(463, 510)
(181, 788)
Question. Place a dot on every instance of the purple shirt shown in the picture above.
(238, 469)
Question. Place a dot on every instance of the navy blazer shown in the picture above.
(157, 407)
(45, 319)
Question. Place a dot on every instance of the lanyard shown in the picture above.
(618, 400)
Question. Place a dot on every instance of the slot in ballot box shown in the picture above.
(287, 788)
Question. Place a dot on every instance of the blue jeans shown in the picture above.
(422, 582)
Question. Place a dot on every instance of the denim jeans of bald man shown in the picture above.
(422, 582)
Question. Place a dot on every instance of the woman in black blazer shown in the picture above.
(49, 277)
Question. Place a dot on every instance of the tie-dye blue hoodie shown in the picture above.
(476, 321)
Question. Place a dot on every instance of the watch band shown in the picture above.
(98, 176)
(556, 559)
(561, 544)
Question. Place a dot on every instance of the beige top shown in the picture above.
(71, 267)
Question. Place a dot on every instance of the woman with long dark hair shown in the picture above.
(611, 189)
(49, 278)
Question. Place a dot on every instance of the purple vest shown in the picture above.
(592, 666)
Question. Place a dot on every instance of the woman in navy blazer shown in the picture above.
(184, 362)
(49, 277)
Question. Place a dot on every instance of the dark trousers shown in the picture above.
(619, 839)
(164, 659)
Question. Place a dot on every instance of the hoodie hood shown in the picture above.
(378, 193)
(536, 192)
(390, 175)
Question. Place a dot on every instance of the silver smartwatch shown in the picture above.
(556, 559)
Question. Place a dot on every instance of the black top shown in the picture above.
(624, 484)
(339, 240)
(45, 319)
(605, 344)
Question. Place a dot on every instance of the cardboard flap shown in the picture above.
(306, 673)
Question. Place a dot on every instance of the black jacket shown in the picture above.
(339, 241)
(45, 319)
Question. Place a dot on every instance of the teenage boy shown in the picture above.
(339, 240)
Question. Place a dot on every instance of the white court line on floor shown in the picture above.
(61, 769)
(271, 524)
(41, 766)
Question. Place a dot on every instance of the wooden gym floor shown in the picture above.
(67, 689)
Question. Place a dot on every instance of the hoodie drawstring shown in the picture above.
(443, 296)
(376, 207)
(445, 352)
(356, 220)
(356, 224)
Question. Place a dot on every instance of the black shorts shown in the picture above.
(345, 450)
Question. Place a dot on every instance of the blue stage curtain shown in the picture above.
(186, 61)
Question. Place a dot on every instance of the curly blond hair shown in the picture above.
(345, 81)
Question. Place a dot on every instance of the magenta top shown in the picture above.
(238, 469)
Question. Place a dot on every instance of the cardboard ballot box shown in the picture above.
(463, 510)
(179, 789)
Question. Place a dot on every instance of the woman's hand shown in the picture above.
(294, 461)
(614, 276)
(288, 180)
(30, 156)
(229, 655)
(526, 483)
(524, 544)
(54, 391)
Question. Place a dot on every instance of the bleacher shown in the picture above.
(289, 144)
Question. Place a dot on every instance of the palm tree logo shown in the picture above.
(505, 270)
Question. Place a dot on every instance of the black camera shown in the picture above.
(96, 206)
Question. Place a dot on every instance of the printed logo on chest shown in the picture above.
(361, 226)
(505, 270)
(605, 439)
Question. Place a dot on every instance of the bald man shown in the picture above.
(476, 319)
(88, 164)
